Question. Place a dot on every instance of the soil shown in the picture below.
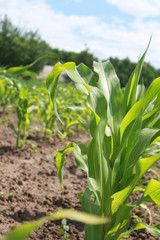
(32, 190)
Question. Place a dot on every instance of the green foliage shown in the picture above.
(64, 229)
(123, 125)
(72, 110)
(7, 93)
(21, 101)
(19, 48)
(24, 111)
(32, 102)
(45, 112)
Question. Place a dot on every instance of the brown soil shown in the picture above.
(32, 188)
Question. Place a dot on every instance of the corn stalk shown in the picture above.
(123, 125)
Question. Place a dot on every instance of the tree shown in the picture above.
(21, 48)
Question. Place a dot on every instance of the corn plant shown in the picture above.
(7, 93)
(22, 103)
(71, 109)
(68, 111)
(123, 125)
(44, 112)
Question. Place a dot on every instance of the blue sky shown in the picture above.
(99, 8)
(117, 28)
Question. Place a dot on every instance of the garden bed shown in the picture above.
(31, 187)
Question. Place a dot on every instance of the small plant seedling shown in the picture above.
(64, 229)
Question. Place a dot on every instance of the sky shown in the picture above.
(108, 28)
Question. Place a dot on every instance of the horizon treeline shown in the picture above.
(19, 47)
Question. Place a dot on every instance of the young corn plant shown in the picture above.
(50, 125)
(44, 112)
(7, 92)
(22, 103)
(24, 110)
(71, 109)
(123, 125)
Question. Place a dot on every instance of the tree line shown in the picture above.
(19, 47)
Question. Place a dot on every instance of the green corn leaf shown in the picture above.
(144, 139)
(15, 70)
(152, 92)
(149, 119)
(156, 124)
(2, 88)
(99, 172)
(131, 135)
(157, 103)
(109, 84)
(82, 76)
(152, 192)
(144, 206)
(119, 223)
(142, 166)
(129, 138)
(132, 114)
(155, 172)
(140, 92)
(97, 103)
(52, 81)
(140, 106)
(131, 87)
(154, 230)
(107, 145)
(72, 123)
(23, 231)
(80, 159)
(89, 206)
(119, 198)
(13, 129)
(128, 142)
(61, 159)
(77, 107)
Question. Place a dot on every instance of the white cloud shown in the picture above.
(73, 32)
(138, 8)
